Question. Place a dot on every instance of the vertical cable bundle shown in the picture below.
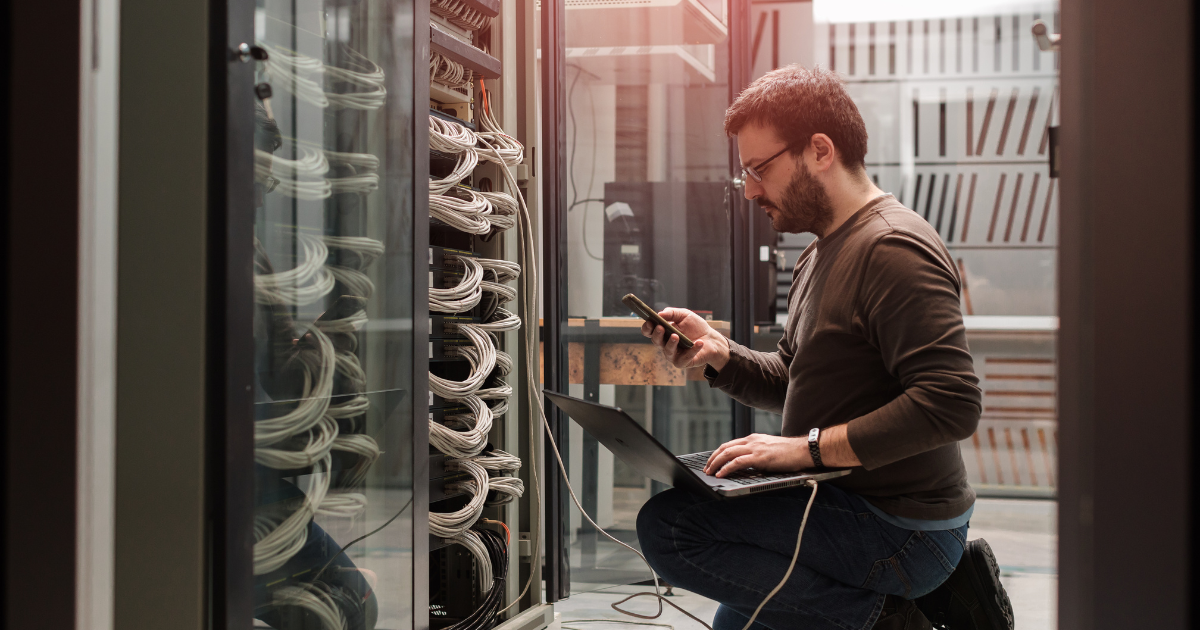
(483, 392)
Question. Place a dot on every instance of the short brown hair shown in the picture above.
(798, 102)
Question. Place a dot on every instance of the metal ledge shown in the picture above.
(461, 52)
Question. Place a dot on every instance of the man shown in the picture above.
(875, 357)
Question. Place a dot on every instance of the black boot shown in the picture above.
(900, 614)
(972, 598)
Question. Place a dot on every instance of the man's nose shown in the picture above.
(752, 189)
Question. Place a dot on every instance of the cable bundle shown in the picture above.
(450, 524)
(482, 357)
(279, 535)
(316, 597)
(365, 447)
(302, 179)
(504, 210)
(305, 78)
(463, 437)
(474, 543)
(318, 367)
(458, 14)
(506, 486)
(306, 283)
(363, 73)
(472, 439)
(462, 209)
(448, 72)
(463, 297)
(315, 448)
(343, 504)
(497, 551)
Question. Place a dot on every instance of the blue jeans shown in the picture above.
(735, 551)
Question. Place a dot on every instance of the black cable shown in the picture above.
(361, 538)
(583, 235)
(575, 201)
(483, 618)
(574, 135)
(581, 202)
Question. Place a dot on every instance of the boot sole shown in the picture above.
(997, 609)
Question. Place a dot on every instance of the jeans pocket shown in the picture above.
(888, 575)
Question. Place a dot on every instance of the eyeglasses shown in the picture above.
(753, 171)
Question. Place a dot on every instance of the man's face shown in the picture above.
(794, 199)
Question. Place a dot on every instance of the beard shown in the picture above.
(804, 206)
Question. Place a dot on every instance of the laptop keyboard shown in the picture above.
(747, 476)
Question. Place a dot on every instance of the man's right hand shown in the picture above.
(710, 347)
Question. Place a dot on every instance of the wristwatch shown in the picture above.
(814, 447)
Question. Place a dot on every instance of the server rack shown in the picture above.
(332, 505)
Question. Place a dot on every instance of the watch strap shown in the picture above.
(814, 447)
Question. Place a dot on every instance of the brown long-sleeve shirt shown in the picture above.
(875, 340)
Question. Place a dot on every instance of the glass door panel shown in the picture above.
(647, 177)
(333, 319)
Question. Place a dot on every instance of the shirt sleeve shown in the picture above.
(753, 378)
(909, 308)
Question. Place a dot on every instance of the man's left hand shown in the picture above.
(768, 453)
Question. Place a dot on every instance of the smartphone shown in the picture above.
(645, 312)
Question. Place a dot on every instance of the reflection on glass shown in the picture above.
(332, 327)
(646, 185)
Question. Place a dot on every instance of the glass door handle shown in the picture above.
(245, 52)
(1046, 40)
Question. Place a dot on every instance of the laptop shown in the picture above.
(622, 435)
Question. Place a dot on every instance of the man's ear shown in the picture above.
(823, 151)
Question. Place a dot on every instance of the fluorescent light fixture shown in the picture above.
(838, 11)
